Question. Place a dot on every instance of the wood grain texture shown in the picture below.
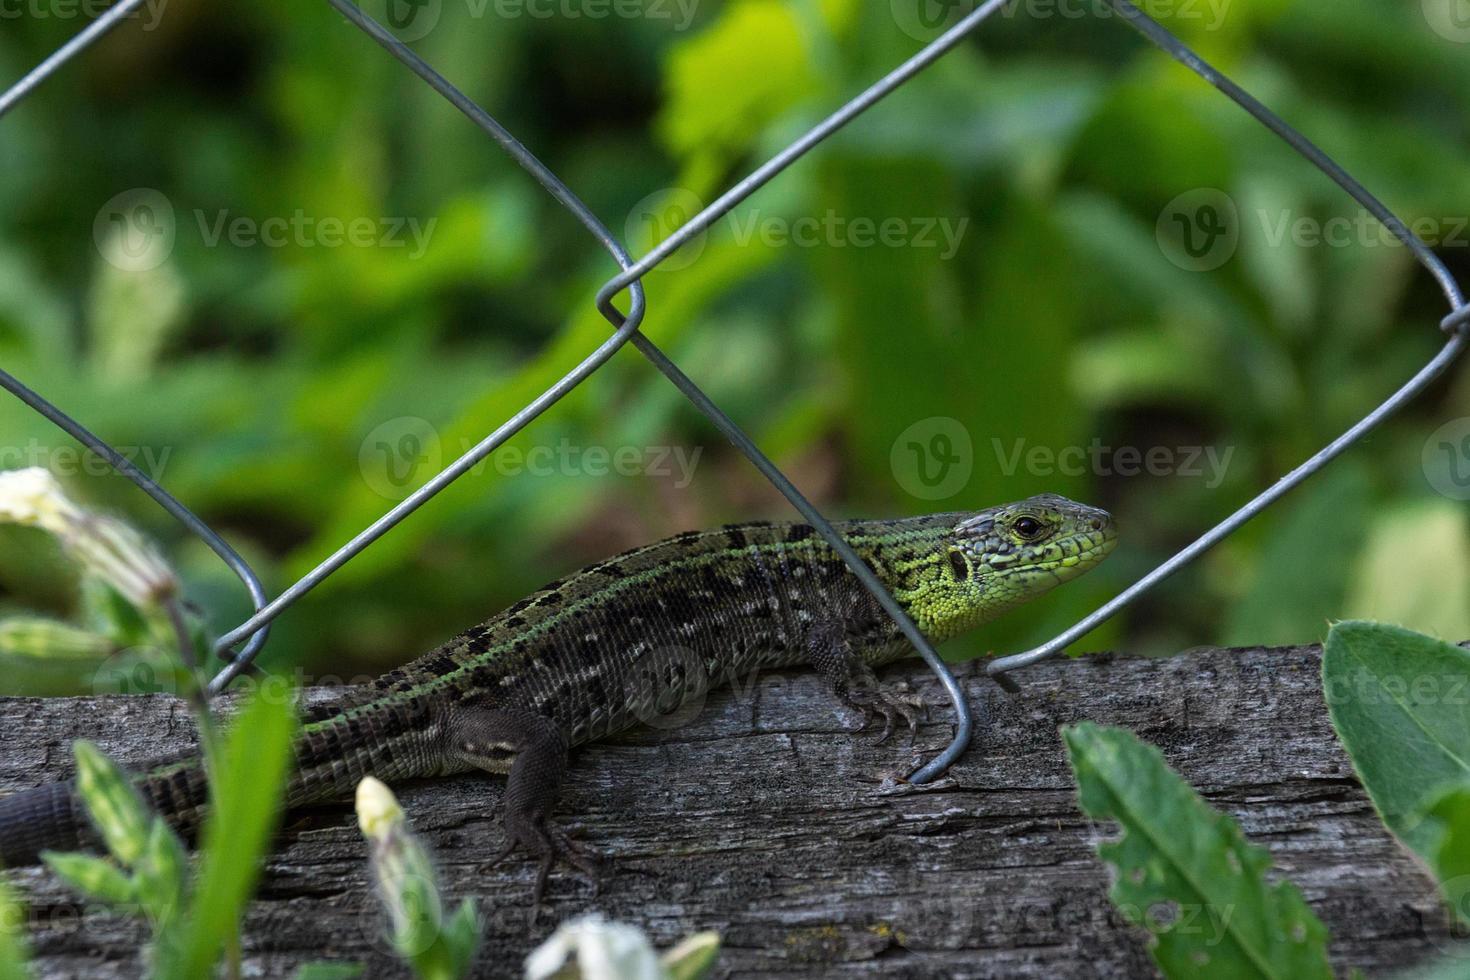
(766, 819)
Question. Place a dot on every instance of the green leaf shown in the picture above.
(1400, 702)
(729, 81)
(107, 612)
(693, 958)
(162, 876)
(112, 803)
(245, 805)
(13, 952)
(93, 877)
(41, 638)
(1449, 812)
(461, 937)
(329, 971)
(1186, 872)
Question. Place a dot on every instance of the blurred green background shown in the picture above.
(287, 391)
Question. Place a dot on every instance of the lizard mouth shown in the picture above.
(1067, 556)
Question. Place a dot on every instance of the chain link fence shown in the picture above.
(240, 645)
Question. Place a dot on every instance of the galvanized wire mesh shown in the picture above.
(240, 645)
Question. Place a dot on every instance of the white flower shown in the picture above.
(603, 951)
(33, 498)
(106, 547)
(378, 812)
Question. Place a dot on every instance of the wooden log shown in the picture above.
(766, 819)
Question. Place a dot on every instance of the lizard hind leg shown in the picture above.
(529, 748)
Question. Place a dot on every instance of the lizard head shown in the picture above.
(995, 559)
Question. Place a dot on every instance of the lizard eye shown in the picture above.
(1028, 527)
(958, 565)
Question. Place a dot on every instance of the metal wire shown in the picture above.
(1455, 324)
(115, 15)
(252, 633)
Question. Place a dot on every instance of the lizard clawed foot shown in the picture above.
(549, 843)
(890, 704)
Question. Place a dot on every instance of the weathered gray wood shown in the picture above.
(766, 820)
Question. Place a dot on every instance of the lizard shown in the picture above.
(630, 637)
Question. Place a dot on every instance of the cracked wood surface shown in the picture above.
(767, 820)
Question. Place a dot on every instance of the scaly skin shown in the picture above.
(633, 638)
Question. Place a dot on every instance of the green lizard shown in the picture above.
(631, 636)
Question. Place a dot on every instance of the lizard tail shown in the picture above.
(53, 818)
(47, 818)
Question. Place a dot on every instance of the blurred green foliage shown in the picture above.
(268, 386)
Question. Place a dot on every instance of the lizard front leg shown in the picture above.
(529, 748)
(830, 651)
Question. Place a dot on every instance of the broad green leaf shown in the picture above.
(13, 952)
(329, 971)
(1449, 813)
(461, 937)
(1306, 556)
(245, 804)
(1185, 871)
(37, 637)
(1415, 569)
(693, 958)
(94, 877)
(162, 875)
(1400, 702)
(729, 81)
(112, 803)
